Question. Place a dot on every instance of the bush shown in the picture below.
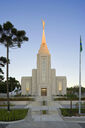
(71, 112)
(44, 103)
(18, 99)
(44, 112)
(13, 115)
(67, 99)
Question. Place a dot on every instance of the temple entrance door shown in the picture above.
(43, 91)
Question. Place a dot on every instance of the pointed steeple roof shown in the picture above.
(43, 47)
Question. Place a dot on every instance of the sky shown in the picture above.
(64, 23)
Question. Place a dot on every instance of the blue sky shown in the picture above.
(64, 22)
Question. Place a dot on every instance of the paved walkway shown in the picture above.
(46, 118)
(51, 108)
(39, 124)
(35, 119)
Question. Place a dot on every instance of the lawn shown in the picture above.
(71, 112)
(44, 112)
(13, 115)
(44, 103)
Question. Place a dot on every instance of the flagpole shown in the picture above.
(80, 83)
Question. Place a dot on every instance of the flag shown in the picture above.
(80, 45)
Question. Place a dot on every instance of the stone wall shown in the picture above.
(63, 81)
(26, 85)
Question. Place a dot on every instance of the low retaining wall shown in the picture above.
(68, 102)
(20, 102)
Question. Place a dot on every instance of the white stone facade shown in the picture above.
(44, 81)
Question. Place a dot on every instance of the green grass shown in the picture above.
(44, 103)
(44, 112)
(13, 115)
(71, 112)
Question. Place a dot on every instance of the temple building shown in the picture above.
(44, 81)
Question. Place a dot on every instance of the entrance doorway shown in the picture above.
(43, 91)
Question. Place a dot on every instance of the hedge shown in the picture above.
(18, 99)
(71, 112)
(67, 99)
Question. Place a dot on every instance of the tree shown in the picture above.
(11, 37)
(3, 87)
(75, 90)
(12, 84)
(3, 61)
(71, 94)
(71, 97)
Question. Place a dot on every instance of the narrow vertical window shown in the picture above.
(43, 69)
(60, 86)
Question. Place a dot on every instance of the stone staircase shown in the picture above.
(43, 98)
(52, 111)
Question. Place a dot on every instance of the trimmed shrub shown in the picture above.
(71, 112)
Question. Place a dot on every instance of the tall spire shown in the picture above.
(43, 47)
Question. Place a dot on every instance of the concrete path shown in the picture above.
(51, 115)
(35, 119)
(46, 118)
(44, 125)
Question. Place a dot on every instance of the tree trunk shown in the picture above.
(71, 104)
(7, 75)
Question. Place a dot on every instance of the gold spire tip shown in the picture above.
(43, 24)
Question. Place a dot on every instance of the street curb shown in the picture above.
(11, 122)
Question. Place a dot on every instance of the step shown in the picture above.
(46, 118)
